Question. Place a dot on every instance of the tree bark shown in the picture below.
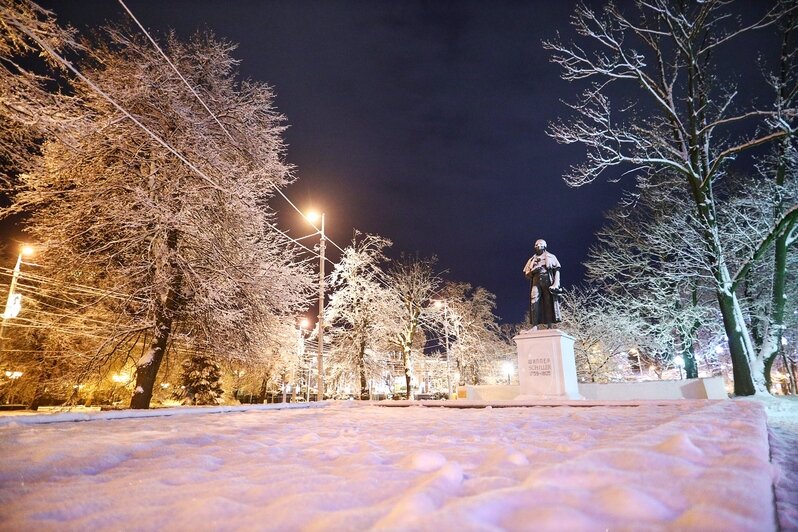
(741, 348)
(406, 360)
(361, 367)
(165, 307)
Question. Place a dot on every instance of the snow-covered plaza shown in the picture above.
(681, 465)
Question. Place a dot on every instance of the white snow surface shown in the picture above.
(783, 428)
(687, 465)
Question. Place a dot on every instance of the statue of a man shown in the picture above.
(543, 270)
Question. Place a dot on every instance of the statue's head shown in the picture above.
(540, 246)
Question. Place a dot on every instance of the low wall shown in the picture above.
(709, 388)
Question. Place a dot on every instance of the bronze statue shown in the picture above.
(543, 270)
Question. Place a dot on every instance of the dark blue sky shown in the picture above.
(421, 121)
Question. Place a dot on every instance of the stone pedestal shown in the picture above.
(546, 365)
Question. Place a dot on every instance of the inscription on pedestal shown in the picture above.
(546, 365)
(539, 367)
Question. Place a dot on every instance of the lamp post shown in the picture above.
(312, 217)
(300, 350)
(442, 304)
(13, 301)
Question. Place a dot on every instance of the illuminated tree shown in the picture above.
(645, 268)
(168, 212)
(358, 309)
(414, 283)
(603, 337)
(475, 344)
(29, 107)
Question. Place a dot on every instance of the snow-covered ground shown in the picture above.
(783, 428)
(687, 465)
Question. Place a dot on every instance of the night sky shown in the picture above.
(423, 122)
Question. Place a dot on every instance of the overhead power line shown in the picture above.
(44, 46)
(211, 113)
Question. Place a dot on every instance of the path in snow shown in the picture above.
(692, 465)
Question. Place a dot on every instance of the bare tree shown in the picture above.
(685, 125)
(164, 205)
(358, 308)
(603, 336)
(414, 282)
(646, 268)
(475, 343)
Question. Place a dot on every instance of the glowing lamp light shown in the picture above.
(313, 216)
(14, 306)
(304, 323)
(438, 303)
(27, 250)
(679, 361)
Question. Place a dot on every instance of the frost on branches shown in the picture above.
(647, 273)
(169, 216)
(682, 128)
(470, 332)
(29, 108)
(359, 310)
(414, 283)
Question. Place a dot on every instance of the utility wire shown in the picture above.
(215, 118)
(121, 109)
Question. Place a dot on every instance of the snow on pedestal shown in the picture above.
(546, 365)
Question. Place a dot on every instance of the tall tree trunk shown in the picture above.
(148, 366)
(775, 324)
(688, 346)
(361, 367)
(739, 344)
(741, 348)
(406, 361)
(690, 365)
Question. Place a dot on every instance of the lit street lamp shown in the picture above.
(14, 300)
(312, 217)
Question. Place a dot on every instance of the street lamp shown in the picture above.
(313, 217)
(300, 353)
(303, 325)
(14, 300)
(442, 305)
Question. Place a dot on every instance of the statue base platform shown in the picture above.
(546, 365)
